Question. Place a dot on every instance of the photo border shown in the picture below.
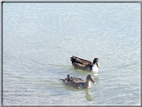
(130, 1)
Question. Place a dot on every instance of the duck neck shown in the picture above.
(88, 84)
(94, 64)
(94, 67)
(87, 81)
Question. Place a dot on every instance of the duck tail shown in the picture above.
(62, 79)
(72, 58)
(68, 76)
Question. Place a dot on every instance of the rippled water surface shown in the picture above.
(39, 38)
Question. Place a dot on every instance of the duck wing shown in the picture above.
(75, 80)
(75, 59)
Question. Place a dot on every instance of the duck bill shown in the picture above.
(94, 82)
(98, 64)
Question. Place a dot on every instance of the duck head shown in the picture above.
(90, 78)
(96, 61)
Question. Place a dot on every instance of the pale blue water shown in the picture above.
(39, 38)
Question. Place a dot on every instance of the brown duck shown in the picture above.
(83, 64)
(78, 82)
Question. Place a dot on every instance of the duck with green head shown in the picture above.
(86, 65)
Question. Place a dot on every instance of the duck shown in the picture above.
(86, 65)
(78, 83)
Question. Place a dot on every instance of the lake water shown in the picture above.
(39, 38)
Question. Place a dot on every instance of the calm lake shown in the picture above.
(39, 38)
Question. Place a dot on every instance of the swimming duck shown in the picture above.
(85, 64)
(78, 82)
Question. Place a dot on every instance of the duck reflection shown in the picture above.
(86, 92)
(88, 95)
